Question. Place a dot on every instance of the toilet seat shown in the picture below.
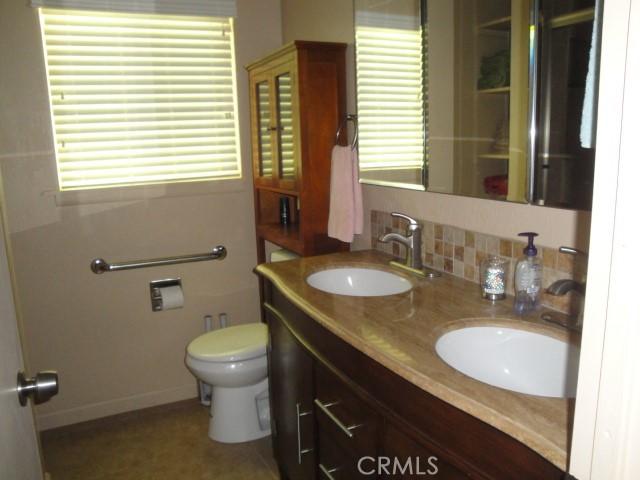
(232, 344)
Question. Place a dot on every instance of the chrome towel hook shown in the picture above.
(351, 117)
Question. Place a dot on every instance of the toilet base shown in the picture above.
(234, 416)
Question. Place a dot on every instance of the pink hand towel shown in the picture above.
(345, 203)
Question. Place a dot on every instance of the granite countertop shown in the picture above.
(400, 331)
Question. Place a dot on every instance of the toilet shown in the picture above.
(233, 361)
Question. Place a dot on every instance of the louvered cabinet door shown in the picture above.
(262, 129)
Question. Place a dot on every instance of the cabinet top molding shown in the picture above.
(294, 46)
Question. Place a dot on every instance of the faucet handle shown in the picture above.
(413, 223)
(571, 251)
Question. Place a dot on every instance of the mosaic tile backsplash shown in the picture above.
(460, 252)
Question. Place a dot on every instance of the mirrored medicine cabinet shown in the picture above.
(485, 98)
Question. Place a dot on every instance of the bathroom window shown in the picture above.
(391, 85)
(141, 98)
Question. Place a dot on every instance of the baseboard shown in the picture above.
(114, 407)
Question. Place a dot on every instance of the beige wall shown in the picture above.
(323, 21)
(329, 20)
(113, 354)
(333, 21)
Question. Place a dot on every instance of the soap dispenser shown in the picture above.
(528, 277)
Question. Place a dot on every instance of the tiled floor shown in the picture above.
(161, 443)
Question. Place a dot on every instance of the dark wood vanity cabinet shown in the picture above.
(334, 409)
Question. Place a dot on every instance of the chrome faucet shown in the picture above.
(562, 287)
(413, 244)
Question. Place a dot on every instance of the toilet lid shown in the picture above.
(242, 342)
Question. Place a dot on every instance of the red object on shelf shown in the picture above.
(496, 184)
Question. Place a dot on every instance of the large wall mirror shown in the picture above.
(485, 98)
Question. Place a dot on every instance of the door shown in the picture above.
(19, 450)
(291, 397)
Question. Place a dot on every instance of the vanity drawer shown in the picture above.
(413, 457)
(343, 415)
(335, 463)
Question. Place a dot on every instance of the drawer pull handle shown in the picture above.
(301, 451)
(328, 471)
(324, 407)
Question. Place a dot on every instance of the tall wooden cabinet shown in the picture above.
(297, 103)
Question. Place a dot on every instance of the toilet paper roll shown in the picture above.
(172, 297)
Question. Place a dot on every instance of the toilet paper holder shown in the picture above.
(156, 293)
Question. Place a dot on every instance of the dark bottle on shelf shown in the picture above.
(284, 211)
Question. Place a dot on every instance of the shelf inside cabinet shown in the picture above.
(493, 91)
(285, 236)
(573, 18)
(502, 24)
(494, 156)
(283, 191)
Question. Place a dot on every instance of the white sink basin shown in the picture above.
(513, 359)
(359, 282)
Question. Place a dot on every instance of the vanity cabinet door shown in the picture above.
(291, 398)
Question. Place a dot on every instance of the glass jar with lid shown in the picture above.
(493, 278)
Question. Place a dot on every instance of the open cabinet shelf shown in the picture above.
(493, 86)
(285, 236)
(494, 91)
(573, 18)
(494, 156)
(502, 24)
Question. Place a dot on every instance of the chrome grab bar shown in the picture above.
(100, 265)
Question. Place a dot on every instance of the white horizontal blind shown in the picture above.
(139, 98)
(391, 107)
(210, 8)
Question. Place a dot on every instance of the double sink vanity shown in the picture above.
(369, 364)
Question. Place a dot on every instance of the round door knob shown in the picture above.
(40, 388)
